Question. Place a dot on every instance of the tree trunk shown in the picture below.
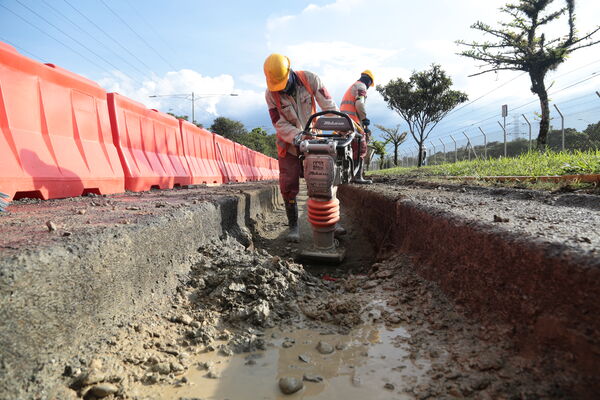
(420, 156)
(539, 87)
(396, 154)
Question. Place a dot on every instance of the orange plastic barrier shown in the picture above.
(225, 151)
(274, 168)
(199, 146)
(264, 167)
(149, 144)
(55, 136)
(245, 160)
(257, 161)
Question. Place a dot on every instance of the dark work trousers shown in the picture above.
(289, 176)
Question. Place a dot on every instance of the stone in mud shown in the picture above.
(287, 345)
(162, 368)
(312, 378)
(184, 319)
(212, 375)
(304, 358)
(177, 367)
(389, 386)
(324, 348)
(225, 351)
(289, 385)
(370, 284)
(340, 346)
(103, 389)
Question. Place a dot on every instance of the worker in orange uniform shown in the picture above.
(353, 104)
(291, 97)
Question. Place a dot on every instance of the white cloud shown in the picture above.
(207, 91)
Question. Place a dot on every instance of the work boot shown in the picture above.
(359, 177)
(291, 209)
(339, 230)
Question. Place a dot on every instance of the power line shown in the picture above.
(135, 33)
(49, 35)
(21, 49)
(71, 37)
(109, 36)
(482, 96)
(507, 82)
(91, 36)
(139, 15)
(594, 75)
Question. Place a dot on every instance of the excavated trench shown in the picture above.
(402, 318)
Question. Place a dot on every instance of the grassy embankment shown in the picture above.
(528, 164)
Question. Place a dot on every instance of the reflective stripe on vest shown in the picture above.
(347, 106)
(282, 146)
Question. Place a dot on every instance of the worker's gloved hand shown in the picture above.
(302, 135)
(366, 122)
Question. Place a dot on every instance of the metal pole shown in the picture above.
(504, 130)
(455, 150)
(562, 126)
(470, 146)
(484, 143)
(433, 145)
(598, 93)
(193, 107)
(528, 123)
(444, 147)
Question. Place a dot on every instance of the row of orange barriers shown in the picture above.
(62, 135)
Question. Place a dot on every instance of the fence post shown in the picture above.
(443, 147)
(455, 150)
(484, 143)
(528, 123)
(562, 127)
(434, 151)
(470, 146)
(467, 145)
(504, 130)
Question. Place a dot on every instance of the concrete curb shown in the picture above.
(68, 296)
(545, 294)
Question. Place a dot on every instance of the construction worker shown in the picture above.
(353, 104)
(291, 97)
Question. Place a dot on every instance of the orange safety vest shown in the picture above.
(283, 146)
(348, 106)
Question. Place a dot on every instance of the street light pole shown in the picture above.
(193, 97)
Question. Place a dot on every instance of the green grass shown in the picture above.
(528, 164)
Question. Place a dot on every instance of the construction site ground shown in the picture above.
(448, 291)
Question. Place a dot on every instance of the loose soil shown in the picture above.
(248, 314)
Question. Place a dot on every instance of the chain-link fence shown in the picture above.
(574, 125)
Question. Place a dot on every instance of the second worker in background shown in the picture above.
(353, 104)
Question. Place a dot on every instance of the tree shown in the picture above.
(186, 118)
(422, 101)
(379, 150)
(229, 128)
(520, 46)
(258, 139)
(391, 135)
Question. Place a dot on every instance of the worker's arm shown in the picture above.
(285, 130)
(324, 100)
(360, 99)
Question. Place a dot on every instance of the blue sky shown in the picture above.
(218, 47)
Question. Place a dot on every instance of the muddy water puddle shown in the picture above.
(371, 362)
